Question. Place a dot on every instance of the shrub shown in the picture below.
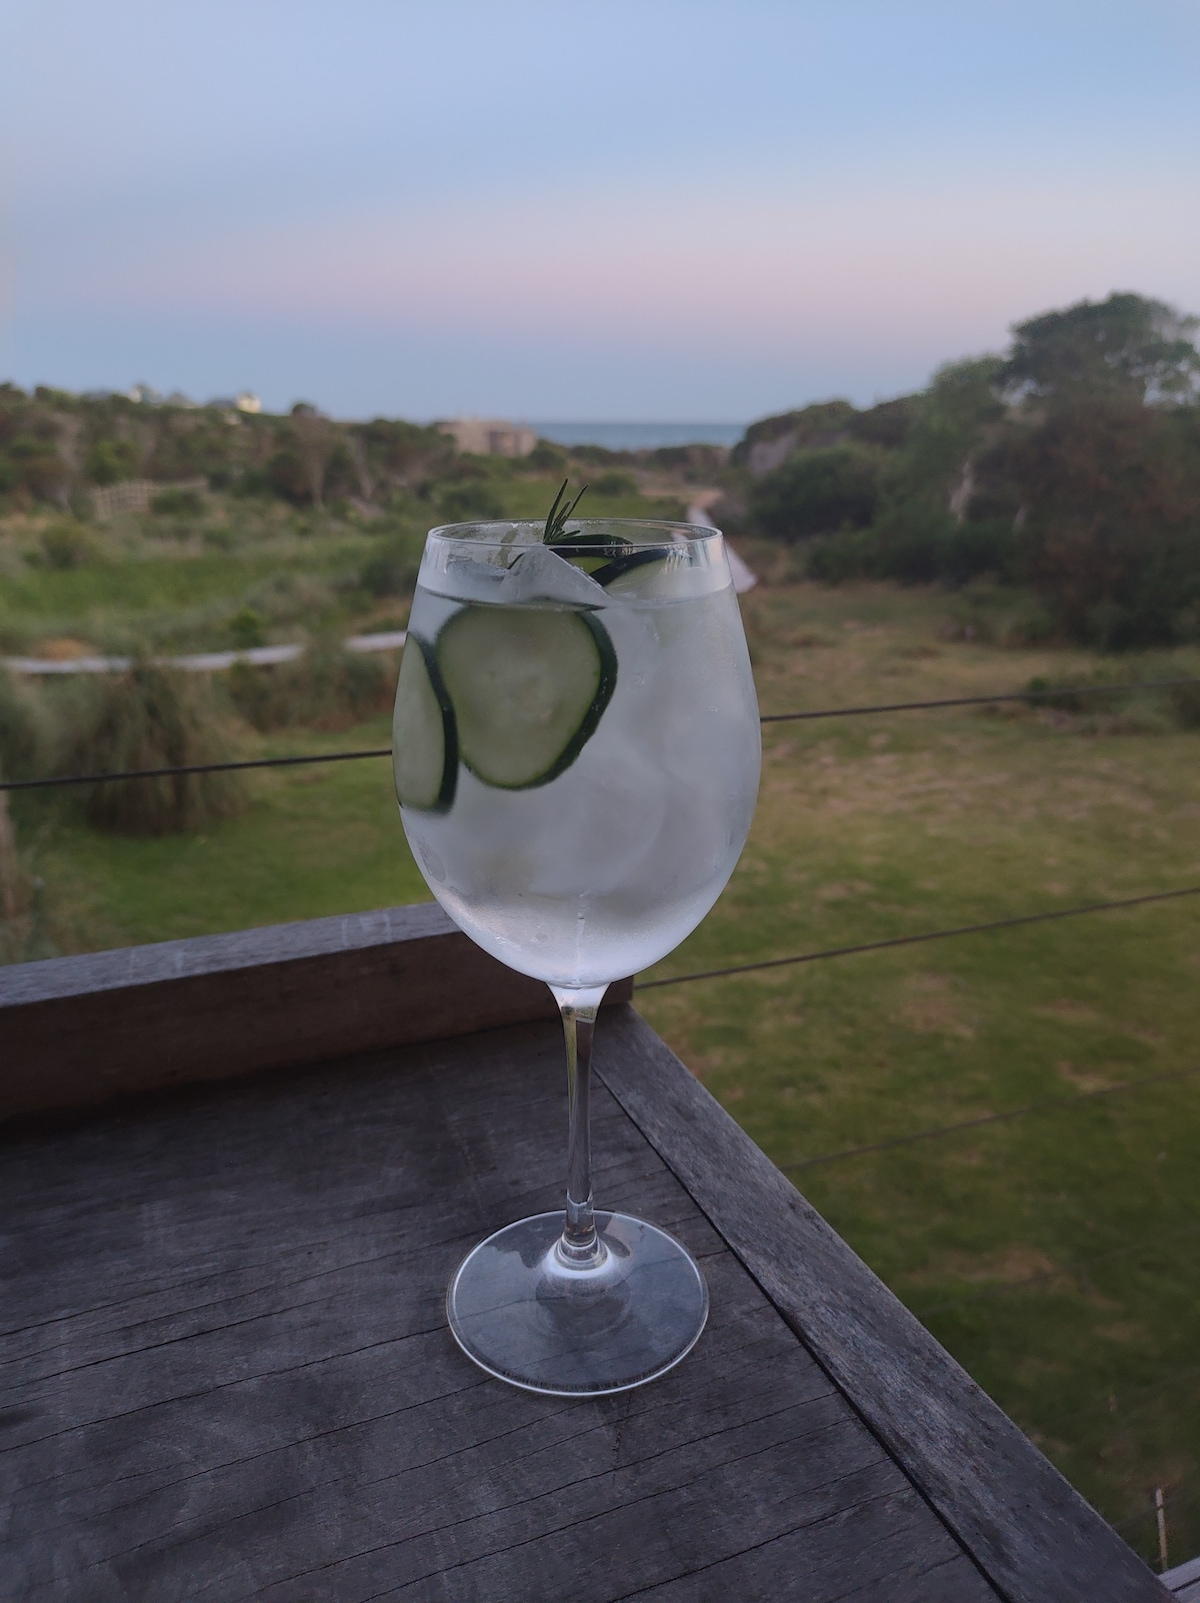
(391, 571)
(23, 728)
(838, 558)
(594, 455)
(546, 457)
(152, 717)
(246, 629)
(180, 503)
(110, 461)
(220, 536)
(326, 688)
(919, 547)
(613, 484)
(1185, 699)
(817, 492)
(1112, 532)
(67, 545)
(471, 501)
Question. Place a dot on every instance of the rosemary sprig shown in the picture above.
(556, 518)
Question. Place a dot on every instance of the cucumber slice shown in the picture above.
(529, 685)
(584, 551)
(622, 565)
(424, 737)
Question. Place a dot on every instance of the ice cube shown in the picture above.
(539, 574)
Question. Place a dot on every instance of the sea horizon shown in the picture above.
(640, 436)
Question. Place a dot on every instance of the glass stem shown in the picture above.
(579, 1246)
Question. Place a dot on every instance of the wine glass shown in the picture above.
(576, 751)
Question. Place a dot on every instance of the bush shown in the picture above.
(246, 629)
(817, 492)
(220, 536)
(472, 501)
(180, 503)
(326, 688)
(594, 455)
(152, 717)
(918, 549)
(1093, 709)
(23, 729)
(110, 461)
(253, 482)
(546, 457)
(1185, 699)
(838, 558)
(613, 484)
(67, 545)
(1112, 532)
(914, 550)
(392, 571)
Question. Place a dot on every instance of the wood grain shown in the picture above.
(1183, 1581)
(225, 1373)
(79, 1030)
(1030, 1532)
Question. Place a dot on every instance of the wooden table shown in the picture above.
(226, 1373)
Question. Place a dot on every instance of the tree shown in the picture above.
(315, 442)
(1110, 531)
(815, 492)
(110, 461)
(766, 443)
(1126, 346)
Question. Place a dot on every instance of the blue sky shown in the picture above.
(627, 209)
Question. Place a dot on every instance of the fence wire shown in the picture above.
(194, 768)
(1048, 694)
(937, 1131)
(916, 940)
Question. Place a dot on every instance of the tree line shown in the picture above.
(1070, 464)
(55, 447)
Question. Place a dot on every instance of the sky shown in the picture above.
(693, 210)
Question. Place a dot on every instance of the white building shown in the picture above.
(486, 436)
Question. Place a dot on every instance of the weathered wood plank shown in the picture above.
(1183, 1581)
(225, 1372)
(79, 1030)
(1027, 1528)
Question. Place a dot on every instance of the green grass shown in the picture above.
(314, 841)
(1054, 1255)
(162, 580)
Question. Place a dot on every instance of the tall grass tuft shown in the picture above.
(152, 717)
(24, 739)
(326, 688)
(24, 729)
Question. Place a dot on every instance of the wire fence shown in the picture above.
(1034, 695)
(192, 768)
(1044, 917)
(1049, 1105)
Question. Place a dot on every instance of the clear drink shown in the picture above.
(606, 868)
(576, 750)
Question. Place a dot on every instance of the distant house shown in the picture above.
(247, 401)
(486, 436)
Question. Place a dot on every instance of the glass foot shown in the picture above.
(529, 1318)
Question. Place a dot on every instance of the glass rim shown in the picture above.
(658, 532)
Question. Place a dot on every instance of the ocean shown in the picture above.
(640, 436)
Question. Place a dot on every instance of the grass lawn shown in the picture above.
(1054, 1254)
(313, 841)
